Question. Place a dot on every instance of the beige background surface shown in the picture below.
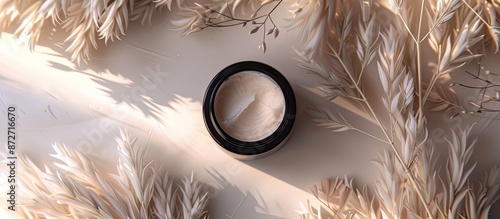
(85, 106)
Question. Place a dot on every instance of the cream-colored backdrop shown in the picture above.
(152, 83)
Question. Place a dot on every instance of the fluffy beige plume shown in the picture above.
(410, 184)
(87, 21)
(75, 188)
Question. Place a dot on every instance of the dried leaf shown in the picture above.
(270, 31)
(254, 30)
(196, 29)
(254, 15)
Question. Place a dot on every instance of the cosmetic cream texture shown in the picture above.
(249, 106)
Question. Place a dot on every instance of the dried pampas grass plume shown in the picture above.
(87, 21)
(449, 196)
(74, 187)
(410, 183)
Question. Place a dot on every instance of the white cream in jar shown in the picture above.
(249, 106)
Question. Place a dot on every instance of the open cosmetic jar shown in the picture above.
(249, 109)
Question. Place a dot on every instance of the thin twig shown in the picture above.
(406, 26)
(419, 67)
(370, 135)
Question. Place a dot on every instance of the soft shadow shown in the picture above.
(108, 60)
(233, 200)
(130, 94)
(60, 66)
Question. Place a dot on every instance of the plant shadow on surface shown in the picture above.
(233, 200)
(140, 85)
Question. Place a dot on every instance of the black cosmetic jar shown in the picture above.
(246, 150)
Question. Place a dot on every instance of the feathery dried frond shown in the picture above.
(409, 185)
(334, 82)
(459, 197)
(114, 19)
(336, 123)
(452, 43)
(396, 81)
(459, 155)
(78, 188)
(492, 16)
(444, 98)
(82, 25)
(87, 21)
(31, 24)
(391, 187)
(449, 196)
(329, 39)
(340, 199)
(486, 193)
(132, 176)
(144, 10)
(316, 24)
(454, 47)
(164, 206)
(193, 199)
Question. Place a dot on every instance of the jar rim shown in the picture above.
(253, 149)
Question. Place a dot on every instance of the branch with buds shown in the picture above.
(209, 17)
(488, 91)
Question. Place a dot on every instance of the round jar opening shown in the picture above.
(249, 106)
